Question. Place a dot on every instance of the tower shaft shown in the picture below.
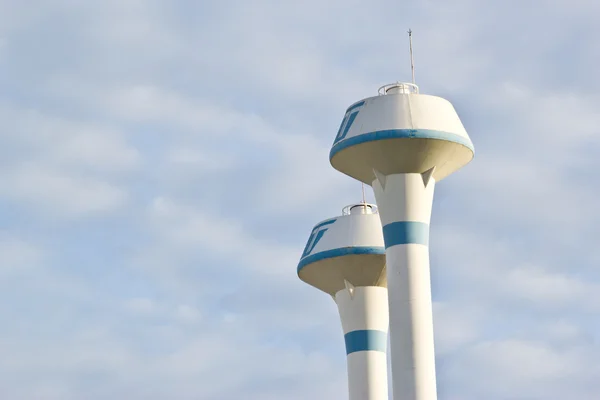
(404, 202)
(364, 315)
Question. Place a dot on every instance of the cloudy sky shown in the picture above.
(162, 164)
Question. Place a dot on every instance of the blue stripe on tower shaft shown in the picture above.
(365, 340)
(400, 134)
(406, 232)
(342, 251)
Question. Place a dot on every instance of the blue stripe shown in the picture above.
(343, 251)
(348, 125)
(323, 223)
(406, 232)
(365, 340)
(399, 134)
(315, 236)
(355, 106)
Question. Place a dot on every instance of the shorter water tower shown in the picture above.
(345, 257)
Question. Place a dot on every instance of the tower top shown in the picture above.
(398, 88)
(359, 208)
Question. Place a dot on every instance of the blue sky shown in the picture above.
(162, 164)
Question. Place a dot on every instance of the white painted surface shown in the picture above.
(406, 198)
(367, 376)
(406, 111)
(365, 309)
(354, 230)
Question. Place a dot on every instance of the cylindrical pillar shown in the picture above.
(404, 202)
(364, 314)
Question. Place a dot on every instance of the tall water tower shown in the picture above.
(401, 143)
(345, 257)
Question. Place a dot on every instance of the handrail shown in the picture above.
(368, 208)
(401, 87)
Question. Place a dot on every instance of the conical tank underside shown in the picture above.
(330, 274)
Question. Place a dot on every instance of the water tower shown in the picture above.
(345, 257)
(402, 143)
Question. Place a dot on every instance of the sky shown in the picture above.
(163, 162)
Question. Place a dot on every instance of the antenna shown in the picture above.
(363, 193)
(412, 61)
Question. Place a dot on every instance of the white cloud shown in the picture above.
(493, 270)
(59, 194)
(456, 325)
(527, 369)
(562, 332)
(17, 255)
(3, 46)
(61, 166)
(552, 289)
(198, 160)
(187, 226)
(67, 143)
(187, 314)
(218, 361)
(99, 150)
(141, 305)
(199, 228)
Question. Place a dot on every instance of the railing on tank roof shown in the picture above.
(398, 87)
(360, 208)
